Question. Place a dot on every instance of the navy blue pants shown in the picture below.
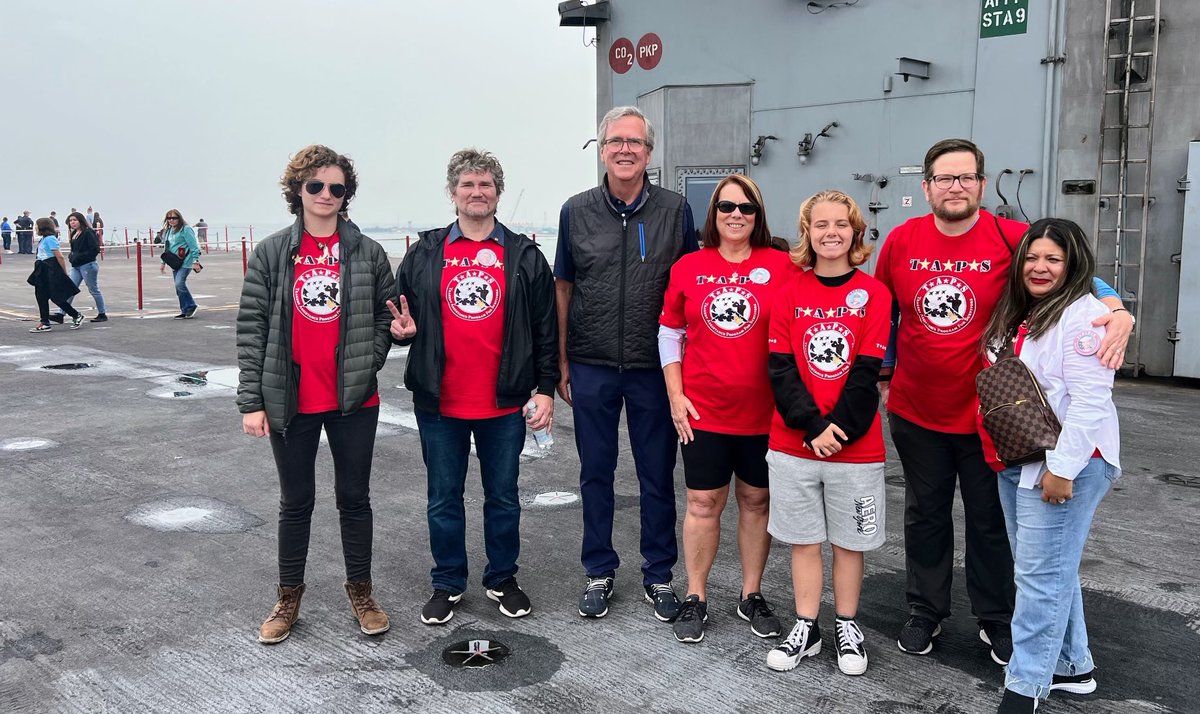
(598, 394)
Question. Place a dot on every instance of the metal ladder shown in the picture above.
(1126, 140)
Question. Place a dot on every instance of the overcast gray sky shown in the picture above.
(137, 106)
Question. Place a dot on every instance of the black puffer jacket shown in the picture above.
(529, 358)
(269, 379)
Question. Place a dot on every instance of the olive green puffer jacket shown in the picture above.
(269, 379)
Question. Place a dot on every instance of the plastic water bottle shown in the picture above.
(542, 437)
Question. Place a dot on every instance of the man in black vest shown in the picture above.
(616, 245)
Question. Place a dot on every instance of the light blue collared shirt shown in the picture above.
(497, 233)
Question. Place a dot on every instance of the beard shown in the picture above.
(944, 212)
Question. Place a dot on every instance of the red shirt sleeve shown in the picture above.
(672, 311)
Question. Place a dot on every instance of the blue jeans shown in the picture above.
(89, 272)
(598, 394)
(445, 446)
(1049, 633)
(181, 289)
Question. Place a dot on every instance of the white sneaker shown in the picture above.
(803, 641)
(852, 656)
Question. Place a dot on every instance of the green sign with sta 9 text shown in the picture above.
(1004, 17)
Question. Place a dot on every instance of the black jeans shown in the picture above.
(352, 444)
(931, 460)
(41, 293)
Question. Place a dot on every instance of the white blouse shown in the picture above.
(1078, 388)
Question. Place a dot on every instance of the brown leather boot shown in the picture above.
(278, 626)
(372, 620)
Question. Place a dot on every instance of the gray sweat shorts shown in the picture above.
(813, 501)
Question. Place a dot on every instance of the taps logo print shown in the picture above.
(730, 311)
(945, 304)
(828, 346)
(316, 294)
(473, 295)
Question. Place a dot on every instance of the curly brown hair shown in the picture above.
(305, 164)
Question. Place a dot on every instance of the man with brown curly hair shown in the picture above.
(308, 356)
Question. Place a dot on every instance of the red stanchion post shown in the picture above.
(407, 243)
(139, 274)
(533, 236)
(126, 243)
(244, 257)
(226, 239)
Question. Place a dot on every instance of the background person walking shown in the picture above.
(85, 248)
(178, 238)
(50, 280)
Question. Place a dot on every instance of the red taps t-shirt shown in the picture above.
(473, 327)
(947, 288)
(316, 323)
(726, 309)
(826, 329)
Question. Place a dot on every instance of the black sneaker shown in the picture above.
(916, 637)
(689, 624)
(851, 655)
(1014, 703)
(665, 601)
(999, 636)
(99, 318)
(190, 312)
(1083, 683)
(594, 601)
(757, 611)
(76, 321)
(58, 318)
(803, 641)
(180, 316)
(40, 327)
(440, 607)
(513, 601)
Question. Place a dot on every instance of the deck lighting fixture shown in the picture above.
(809, 142)
(756, 150)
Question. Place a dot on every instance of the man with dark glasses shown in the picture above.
(608, 351)
(947, 270)
(313, 329)
(486, 337)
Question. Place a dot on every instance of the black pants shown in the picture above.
(41, 293)
(931, 460)
(352, 444)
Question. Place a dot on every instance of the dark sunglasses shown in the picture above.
(747, 209)
(337, 190)
(172, 218)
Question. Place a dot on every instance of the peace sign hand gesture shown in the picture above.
(403, 326)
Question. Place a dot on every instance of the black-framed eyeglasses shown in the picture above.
(337, 190)
(634, 144)
(945, 181)
(747, 209)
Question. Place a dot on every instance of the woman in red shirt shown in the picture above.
(713, 347)
(828, 333)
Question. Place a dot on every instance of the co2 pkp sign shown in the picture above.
(648, 53)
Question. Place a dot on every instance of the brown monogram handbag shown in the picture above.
(1015, 413)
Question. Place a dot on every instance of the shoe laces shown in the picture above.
(849, 636)
(690, 610)
(759, 607)
(596, 584)
(799, 634)
(661, 589)
(285, 608)
(361, 598)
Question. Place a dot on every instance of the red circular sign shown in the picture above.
(649, 51)
(620, 55)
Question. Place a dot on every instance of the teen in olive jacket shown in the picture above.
(269, 378)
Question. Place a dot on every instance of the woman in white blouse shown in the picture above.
(1046, 313)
